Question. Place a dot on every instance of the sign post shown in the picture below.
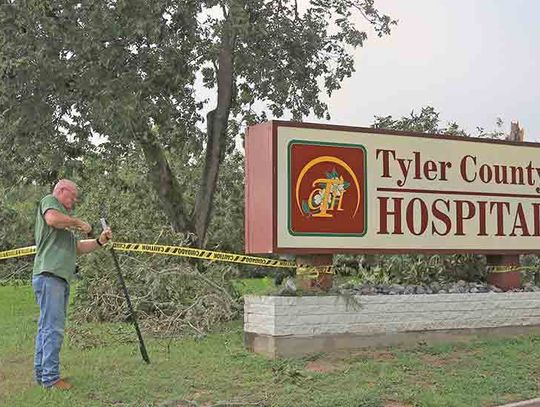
(321, 280)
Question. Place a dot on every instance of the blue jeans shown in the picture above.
(52, 295)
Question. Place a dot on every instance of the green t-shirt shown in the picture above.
(56, 249)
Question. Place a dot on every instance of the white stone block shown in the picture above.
(316, 315)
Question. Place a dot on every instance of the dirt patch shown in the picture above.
(178, 403)
(437, 361)
(392, 403)
(380, 355)
(447, 359)
(422, 382)
(15, 359)
(322, 366)
(339, 360)
(16, 375)
(383, 356)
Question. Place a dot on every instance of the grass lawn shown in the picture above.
(257, 286)
(103, 363)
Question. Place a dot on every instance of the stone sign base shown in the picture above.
(294, 326)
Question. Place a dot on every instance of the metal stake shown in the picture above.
(133, 315)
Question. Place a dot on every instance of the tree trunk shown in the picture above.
(165, 183)
(217, 121)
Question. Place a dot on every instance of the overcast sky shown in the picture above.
(473, 60)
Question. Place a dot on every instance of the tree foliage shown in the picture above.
(130, 74)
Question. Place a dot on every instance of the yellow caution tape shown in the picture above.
(202, 254)
(23, 251)
(173, 251)
(314, 271)
(512, 268)
(211, 255)
(505, 269)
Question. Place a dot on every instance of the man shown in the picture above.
(54, 267)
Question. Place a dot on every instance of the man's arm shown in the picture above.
(89, 245)
(58, 220)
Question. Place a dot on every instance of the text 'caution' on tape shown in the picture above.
(191, 252)
(172, 251)
(202, 254)
(23, 251)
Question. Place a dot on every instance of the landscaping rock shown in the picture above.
(459, 287)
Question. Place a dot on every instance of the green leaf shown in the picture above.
(305, 207)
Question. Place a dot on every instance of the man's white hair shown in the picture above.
(64, 183)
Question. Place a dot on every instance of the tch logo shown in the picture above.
(327, 187)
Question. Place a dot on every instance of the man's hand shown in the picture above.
(105, 236)
(82, 226)
(89, 245)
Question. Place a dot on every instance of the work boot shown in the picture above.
(61, 385)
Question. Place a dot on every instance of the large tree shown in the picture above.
(130, 73)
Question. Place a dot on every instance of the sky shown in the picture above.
(473, 60)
